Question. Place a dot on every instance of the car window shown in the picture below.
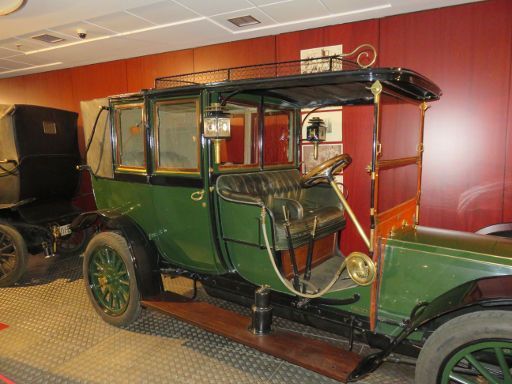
(241, 149)
(177, 127)
(130, 136)
(277, 137)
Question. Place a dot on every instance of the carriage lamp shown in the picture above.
(217, 127)
(316, 132)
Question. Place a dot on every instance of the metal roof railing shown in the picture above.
(363, 56)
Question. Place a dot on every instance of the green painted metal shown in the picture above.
(109, 280)
(179, 226)
(488, 360)
(421, 264)
(417, 264)
(241, 225)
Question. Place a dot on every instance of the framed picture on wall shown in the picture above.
(325, 152)
(313, 66)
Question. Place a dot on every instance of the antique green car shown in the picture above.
(201, 177)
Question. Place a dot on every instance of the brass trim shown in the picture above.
(197, 195)
(125, 168)
(216, 150)
(350, 213)
(376, 89)
(156, 129)
(395, 163)
(119, 166)
(367, 51)
(423, 109)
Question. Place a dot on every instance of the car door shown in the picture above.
(182, 207)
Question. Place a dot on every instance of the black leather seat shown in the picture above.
(275, 189)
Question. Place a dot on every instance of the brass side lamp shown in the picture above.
(217, 127)
(316, 132)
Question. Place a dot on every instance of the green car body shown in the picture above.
(199, 230)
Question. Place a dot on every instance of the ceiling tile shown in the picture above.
(295, 10)
(120, 22)
(4, 63)
(336, 6)
(20, 45)
(6, 52)
(265, 2)
(163, 12)
(209, 8)
(93, 31)
(254, 12)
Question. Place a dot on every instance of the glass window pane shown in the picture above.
(130, 139)
(177, 124)
(241, 149)
(400, 132)
(278, 137)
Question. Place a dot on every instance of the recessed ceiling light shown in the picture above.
(10, 6)
(48, 38)
(244, 21)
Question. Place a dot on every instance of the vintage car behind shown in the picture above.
(200, 177)
(38, 179)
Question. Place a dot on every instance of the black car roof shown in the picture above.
(350, 86)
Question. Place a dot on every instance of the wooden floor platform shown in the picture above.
(306, 352)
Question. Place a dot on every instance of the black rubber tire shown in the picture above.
(120, 246)
(20, 252)
(456, 333)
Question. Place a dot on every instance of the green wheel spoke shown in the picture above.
(503, 365)
(480, 368)
(110, 281)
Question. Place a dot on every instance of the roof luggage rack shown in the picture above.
(363, 56)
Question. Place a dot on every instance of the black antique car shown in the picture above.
(38, 180)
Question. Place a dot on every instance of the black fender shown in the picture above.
(475, 295)
(145, 256)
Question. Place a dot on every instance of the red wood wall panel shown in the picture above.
(141, 72)
(507, 193)
(235, 54)
(465, 49)
(13, 90)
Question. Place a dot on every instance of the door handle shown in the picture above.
(197, 195)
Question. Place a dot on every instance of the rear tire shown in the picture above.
(110, 279)
(453, 345)
(13, 255)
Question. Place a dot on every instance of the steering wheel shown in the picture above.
(325, 170)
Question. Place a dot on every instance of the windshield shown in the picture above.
(398, 159)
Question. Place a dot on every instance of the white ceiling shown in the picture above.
(119, 29)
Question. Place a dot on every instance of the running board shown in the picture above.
(312, 354)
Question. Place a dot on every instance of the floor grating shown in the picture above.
(53, 335)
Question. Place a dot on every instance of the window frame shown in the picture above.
(119, 167)
(257, 147)
(292, 134)
(156, 132)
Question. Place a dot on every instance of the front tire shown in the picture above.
(13, 255)
(110, 279)
(472, 348)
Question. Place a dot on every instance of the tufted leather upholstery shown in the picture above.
(277, 188)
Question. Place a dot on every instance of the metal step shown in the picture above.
(312, 354)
